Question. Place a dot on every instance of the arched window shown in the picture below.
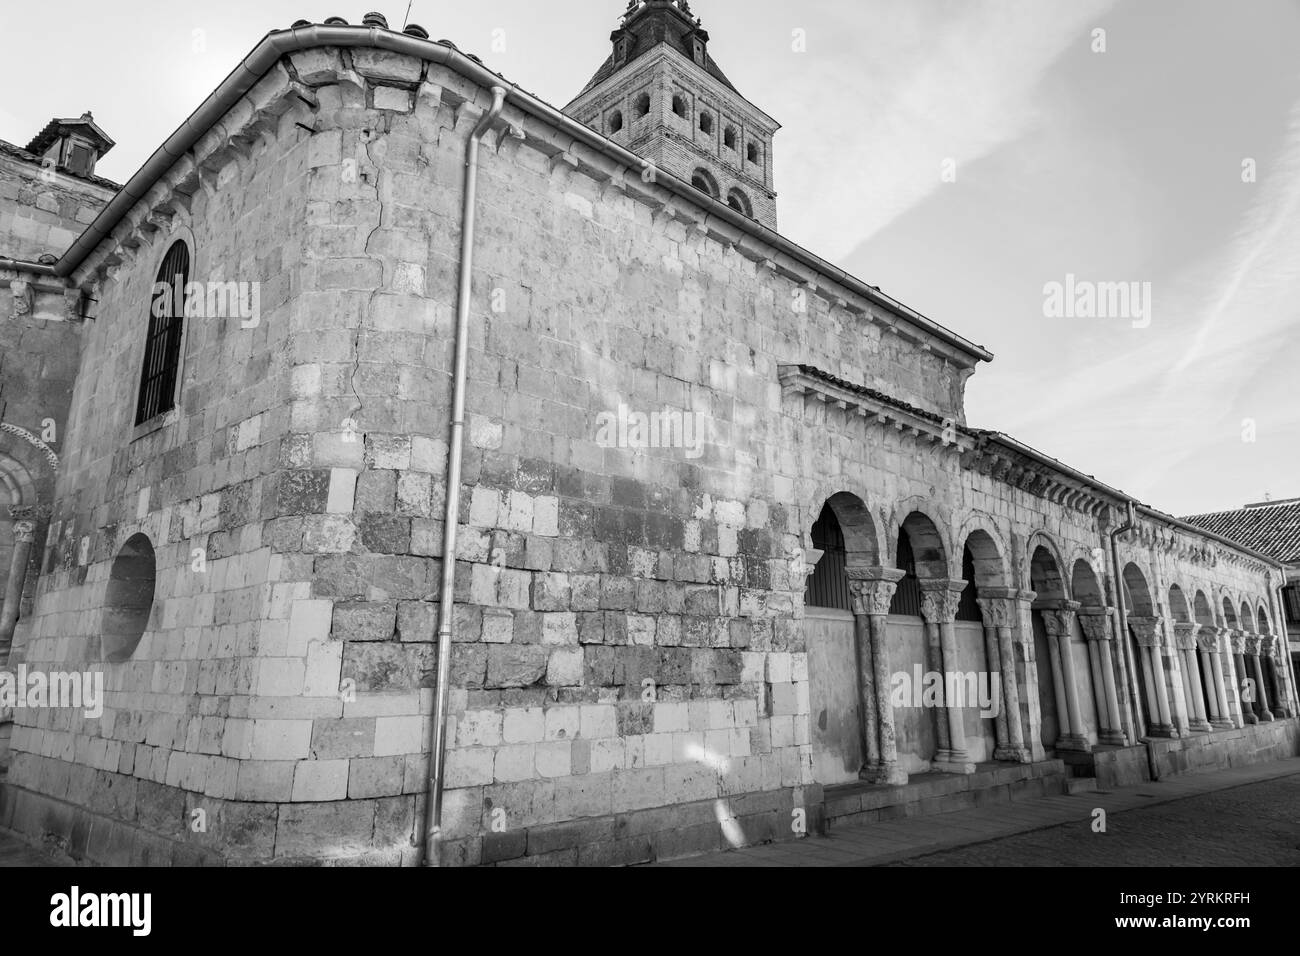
(679, 105)
(162, 346)
(705, 183)
(616, 122)
(643, 105)
(740, 202)
(706, 123)
(753, 153)
(729, 137)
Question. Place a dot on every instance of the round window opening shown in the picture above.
(129, 599)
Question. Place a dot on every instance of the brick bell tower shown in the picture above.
(661, 95)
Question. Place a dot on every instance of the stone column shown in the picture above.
(1059, 622)
(24, 531)
(872, 590)
(999, 610)
(1243, 681)
(1254, 644)
(1185, 647)
(1278, 645)
(1147, 632)
(1028, 659)
(1097, 628)
(1208, 643)
(939, 600)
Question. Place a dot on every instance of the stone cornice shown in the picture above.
(875, 408)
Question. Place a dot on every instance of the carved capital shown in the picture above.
(1184, 636)
(24, 531)
(1207, 638)
(1238, 640)
(803, 561)
(872, 597)
(1146, 630)
(939, 600)
(1096, 624)
(1252, 643)
(998, 611)
(1060, 620)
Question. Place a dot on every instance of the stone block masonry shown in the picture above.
(630, 678)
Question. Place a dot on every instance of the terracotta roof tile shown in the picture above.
(1271, 528)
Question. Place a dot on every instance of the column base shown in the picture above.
(948, 761)
(1201, 726)
(1221, 723)
(1162, 730)
(1112, 738)
(1073, 742)
(1013, 755)
(887, 774)
(1266, 717)
(1250, 718)
(1282, 713)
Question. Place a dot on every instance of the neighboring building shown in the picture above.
(718, 506)
(49, 194)
(1272, 528)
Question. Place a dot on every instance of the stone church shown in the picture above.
(730, 564)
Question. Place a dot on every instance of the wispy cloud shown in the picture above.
(928, 83)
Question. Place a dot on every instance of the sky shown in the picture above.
(976, 159)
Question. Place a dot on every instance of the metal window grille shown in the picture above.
(162, 347)
(827, 585)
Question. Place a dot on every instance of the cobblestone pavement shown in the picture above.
(1240, 816)
(1254, 825)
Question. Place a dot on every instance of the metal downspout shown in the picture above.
(455, 448)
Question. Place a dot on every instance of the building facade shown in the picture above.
(718, 504)
(1272, 528)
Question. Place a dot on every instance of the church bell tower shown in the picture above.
(661, 95)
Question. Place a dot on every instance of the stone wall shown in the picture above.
(42, 210)
(630, 679)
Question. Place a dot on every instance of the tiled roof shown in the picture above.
(1272, 528)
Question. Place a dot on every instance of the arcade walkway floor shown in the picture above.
(1248, 816)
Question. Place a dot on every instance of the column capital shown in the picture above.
(1207, 638)
(24, 531)
(22, 513)
(1185, 635)
(1058, 616)
(1252, 643)
(872, 597)
(803, 562)
(1146, 630)
(1096, 623)
(940, 598)
(1237, 640)
(998, 610)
